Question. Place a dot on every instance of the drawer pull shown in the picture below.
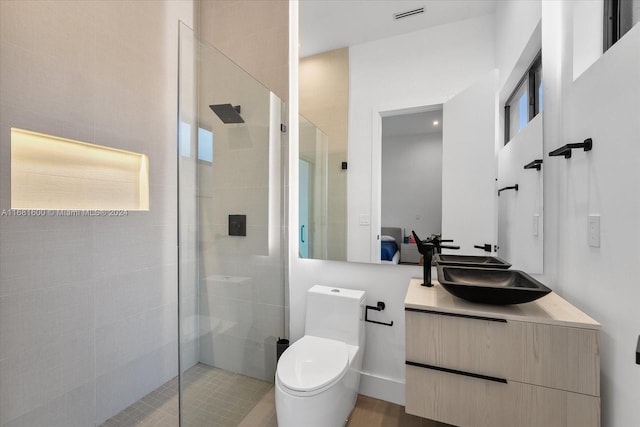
(466, 316)
(455, 371)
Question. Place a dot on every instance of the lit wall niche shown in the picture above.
(48, 172)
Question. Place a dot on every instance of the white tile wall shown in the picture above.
(187, 170)
(88, 320)
(73, 409)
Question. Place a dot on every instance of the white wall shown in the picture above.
(410, 200)
(469, 166)
(433, 72)
(405, 71)
(587, 34)
(515, 22)
(518, 41)
(521, 244)
(88, 304)
(604, 104)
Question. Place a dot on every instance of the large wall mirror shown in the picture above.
(401, 129)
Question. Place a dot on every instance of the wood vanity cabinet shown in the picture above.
(534, 364)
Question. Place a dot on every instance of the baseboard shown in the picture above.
(382, 388)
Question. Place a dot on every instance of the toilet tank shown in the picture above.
(336, 313)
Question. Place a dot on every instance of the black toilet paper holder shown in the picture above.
(378, 307)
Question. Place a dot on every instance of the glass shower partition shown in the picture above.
(313, 197)
(232, 169)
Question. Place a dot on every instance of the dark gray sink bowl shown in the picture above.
(482, 261)
(491, 285)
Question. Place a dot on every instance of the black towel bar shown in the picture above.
(378, 307)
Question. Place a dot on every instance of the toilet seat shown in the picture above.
(312, 364)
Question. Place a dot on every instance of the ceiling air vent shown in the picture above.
(408, 13)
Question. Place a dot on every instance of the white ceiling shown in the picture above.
(332, 24)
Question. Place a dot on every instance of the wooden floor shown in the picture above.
(369, 412)
(264, 413)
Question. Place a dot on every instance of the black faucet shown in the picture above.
(437, 242)
(427, 248)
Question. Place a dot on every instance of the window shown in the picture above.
(619, 17)
(525, 102)
(184, 136)
(205, 145)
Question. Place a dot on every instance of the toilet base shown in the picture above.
(313, 411)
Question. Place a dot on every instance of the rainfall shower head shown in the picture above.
(227, 113)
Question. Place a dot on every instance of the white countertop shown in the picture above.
(550, 309)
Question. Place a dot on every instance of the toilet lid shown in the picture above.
(312, 363)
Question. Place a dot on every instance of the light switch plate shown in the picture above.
(364, 220)
(536, 225)
(594, 230)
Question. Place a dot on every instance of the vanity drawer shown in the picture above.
(473, 402)
(562, 357)
(484, 346)
(552, 356)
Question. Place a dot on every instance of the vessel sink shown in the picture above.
(490, 285)
(482, 261)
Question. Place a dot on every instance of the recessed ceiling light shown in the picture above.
(435, 122)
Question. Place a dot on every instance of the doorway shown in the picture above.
(411, 175)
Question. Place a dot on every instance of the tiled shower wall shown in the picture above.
(252, 33)
(88, 320)
(241, 294)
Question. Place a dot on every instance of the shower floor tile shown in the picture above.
(212, 398)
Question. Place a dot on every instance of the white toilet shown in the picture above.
(318, 377)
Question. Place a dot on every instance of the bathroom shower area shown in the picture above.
(232, 151)
(231, 145)
(142, 179)
(231, 148)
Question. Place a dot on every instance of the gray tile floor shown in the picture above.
(212, 398)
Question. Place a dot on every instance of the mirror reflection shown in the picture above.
(411, 181)
(520, 162)
(324, 96)
(368, 83)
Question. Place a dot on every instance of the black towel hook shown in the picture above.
(565, 150)
(512, 187)
(534, 164)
